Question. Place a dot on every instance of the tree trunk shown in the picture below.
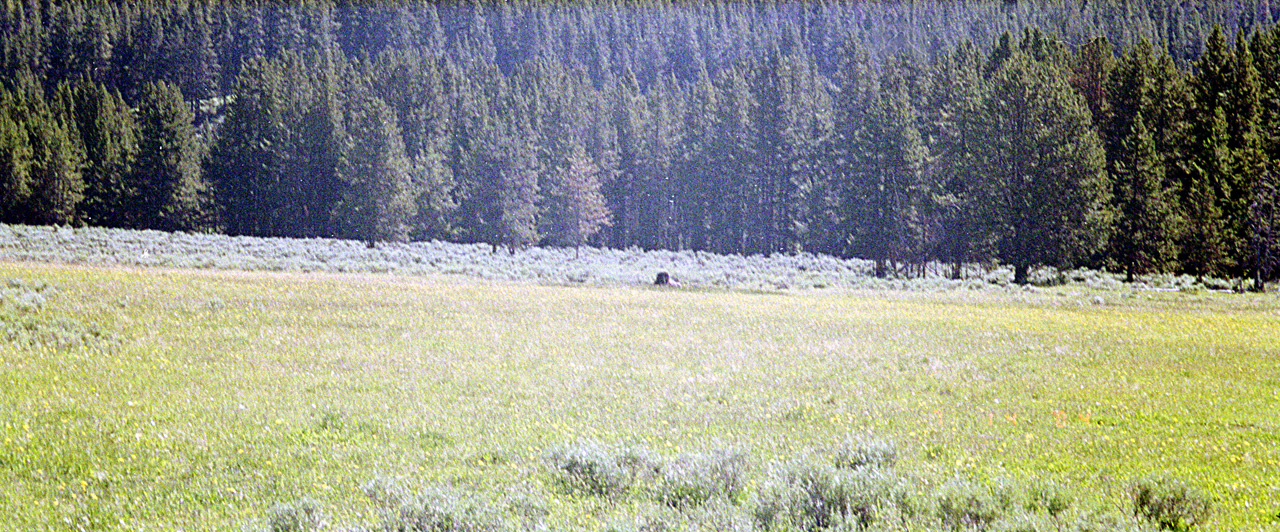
(1020, 274)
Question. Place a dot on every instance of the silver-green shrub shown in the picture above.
(1169, 503)
(593, 467)
(964, 504)
(1048, 496)
(305, 515)
(866, 451)
(691, 479)
(442, 509)
(809, 495)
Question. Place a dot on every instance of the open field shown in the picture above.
(167, 399)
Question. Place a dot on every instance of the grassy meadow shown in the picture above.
(198, 400)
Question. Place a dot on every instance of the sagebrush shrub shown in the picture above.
(863, 451)
(443, 509)
(1025, 522)
(529, 509)
(385, 492)
(692, 479)
(592, 467)
(808, 495)
(653, 520)
(721, 516)
(304, 515)
(1169, 503)
(965, 504)
(1048, 496)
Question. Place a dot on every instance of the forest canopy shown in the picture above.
(1134, 136)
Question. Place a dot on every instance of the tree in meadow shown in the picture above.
(44, 184)
(578, 205)
(108, 132)
(172, 195)
(16, 186)
(733, 151)
(1206, 246)
(886, 203)
(518, 193)
(1264, 230)
(378, 195)
(957, 88)
(1091, 69)
(1040, 186)
(1147, 220)
(275, 160)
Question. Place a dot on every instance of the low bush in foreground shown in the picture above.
(695, 478)
(24, 320)
(1169, 503)
(857, 487)
(593, 467)
(810, 493)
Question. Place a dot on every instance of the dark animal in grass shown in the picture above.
(664, 279)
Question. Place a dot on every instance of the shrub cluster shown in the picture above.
(25, 319)
(693, 479)
(592, 467)
(1169, 503)
(550, 265)
(855, 488)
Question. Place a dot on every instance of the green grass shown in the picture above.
(227, 393)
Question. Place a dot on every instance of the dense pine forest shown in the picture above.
(1138, 136)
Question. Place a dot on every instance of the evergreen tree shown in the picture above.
(1264, 230)
(665, 189)
(857, 91)
(579, 207)
(518, 195)
(16, 156)
(47, 187)
(1247, 143)
(377, 203)
(1266, 52)
(1147, 224)
(624, 192)
(1206, 246)
(243, 166)
(958, 91)
(733, 152)
(888, 188)
(774, 157)
(696, 170)
(172, 193)
(276, 159)
(1092, 67)
(1040, 187)
(108, 133)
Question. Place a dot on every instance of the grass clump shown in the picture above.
(1169, 503)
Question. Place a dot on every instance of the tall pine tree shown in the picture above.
(1040, 186)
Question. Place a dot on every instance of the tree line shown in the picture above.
(1128, 135)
